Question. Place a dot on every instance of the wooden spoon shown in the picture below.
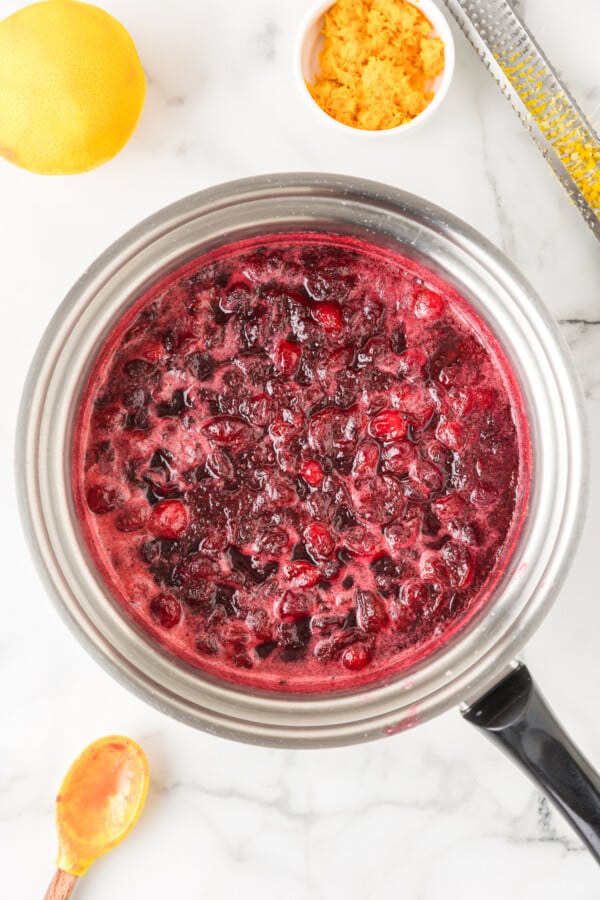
(98, 804)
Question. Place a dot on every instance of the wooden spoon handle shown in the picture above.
(61, 886)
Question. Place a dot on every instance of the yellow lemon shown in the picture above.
(72, 87)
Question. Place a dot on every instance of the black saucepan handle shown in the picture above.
(516, 717)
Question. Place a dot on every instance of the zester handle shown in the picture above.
(549, 112)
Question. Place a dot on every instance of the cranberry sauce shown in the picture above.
(300, 463)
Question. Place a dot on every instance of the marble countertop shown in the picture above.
(430, 814)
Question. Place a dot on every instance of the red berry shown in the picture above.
(259, 624)
(312, 472)
(329, 316)
(428, 305)
(319, 542)
(257, 410)
(411, 364)
(387, 426)
(414, 594)
(366, 459)
(360, 541)
(432, 568)
(397, 456)
(449, 433)
(414, 402)
(292, 607)
(168, 519)
(152, 351)
(458, 562)
(287, 357)
(226, 429)
(371, 613)
(103, 498)
(448, 507)
(357, 656)
(425, 479)
(402, 533)
(301, 574)
(132, 518)
(461, 401)
(167, 609)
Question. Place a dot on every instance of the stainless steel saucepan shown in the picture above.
(477, 668)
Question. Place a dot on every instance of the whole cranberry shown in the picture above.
(166, 609)
(168, 519)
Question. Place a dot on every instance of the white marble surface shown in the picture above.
(427, 815)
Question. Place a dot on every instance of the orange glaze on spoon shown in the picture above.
(98, 803)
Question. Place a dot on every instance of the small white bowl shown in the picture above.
(310, 43)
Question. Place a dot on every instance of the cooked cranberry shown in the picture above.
(273, 540)
(207, 645)
(319, 542)
(334, 429)
(371, 613)
(459, 565)
(132, 518)
(287, 357)
(168, 519)
(312, 472)
(387, 426)
(292, 607)
(360, 540)
(428, 305)
(357, 656)
(450, 434)
(415, 402)
(461, 400)
(293, 635)
(411, 365)
(414, 595)
(432, 568)
(138, 369)
(332, 647)
(227, 429)
(329, 316)
(448, 507)
(239, 294)
(221, 465)
(397, 456)
(257, 410)
(425, 479)
(166, 609)
(301, 574)
(259, 624)
(103, 498)
(366, 459)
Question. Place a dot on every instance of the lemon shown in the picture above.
(72, 87)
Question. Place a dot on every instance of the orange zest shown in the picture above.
(377, 63)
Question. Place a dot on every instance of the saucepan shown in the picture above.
(477, 669)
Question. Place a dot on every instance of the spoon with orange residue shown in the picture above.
(98, 804)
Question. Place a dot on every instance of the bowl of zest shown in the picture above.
(378, 67)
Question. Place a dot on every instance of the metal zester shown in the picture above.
(527, 79)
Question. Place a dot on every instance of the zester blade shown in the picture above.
(528, 80)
